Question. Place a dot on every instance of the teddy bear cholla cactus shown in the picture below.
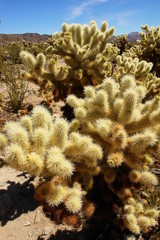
(86, 59)
(138, 217)
(150, 42)
(148, 47)
(142, 72)
(85, 50)
(122, 43)
(129, 65)
(37, 145)
(128, 130)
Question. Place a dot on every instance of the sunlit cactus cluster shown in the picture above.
(122, 43)
(114, 133)
(148, 47)
(113, 137)
(45, 148)
(127, 128)
(86, 58)
(139, 69)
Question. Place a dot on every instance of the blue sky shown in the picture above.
(47, 16)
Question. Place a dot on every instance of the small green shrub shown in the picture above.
(16, 87)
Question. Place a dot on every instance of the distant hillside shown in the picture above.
(36, 38)
(133, 36)
(28, 37)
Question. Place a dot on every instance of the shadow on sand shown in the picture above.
(22, 197)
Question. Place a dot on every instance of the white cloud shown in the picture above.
(123, 17)
(79, 10)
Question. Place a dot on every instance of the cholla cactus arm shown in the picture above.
(87, 149)
(57, 164)
(56, 194)
(17, 134)
(53, 72)
(28, 59)
(59, 135)
(26, 123)
(116, 116)
(14, 156)
(73, 201)
(41, 118)
(147, 178)
(40, 138)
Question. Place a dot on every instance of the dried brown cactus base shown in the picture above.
(88, 222)
(60, 215)
(102, 225)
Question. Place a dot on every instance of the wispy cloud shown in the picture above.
(124, 1)
(123, 17)
(120, 18)
(79, 10)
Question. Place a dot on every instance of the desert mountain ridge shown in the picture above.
(28, 37)
(36, 37)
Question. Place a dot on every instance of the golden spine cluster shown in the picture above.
(127, 128)
(128, 65)
(85, 59)
(115, 133)
(45, 148)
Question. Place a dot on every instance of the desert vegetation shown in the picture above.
(108, 154)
